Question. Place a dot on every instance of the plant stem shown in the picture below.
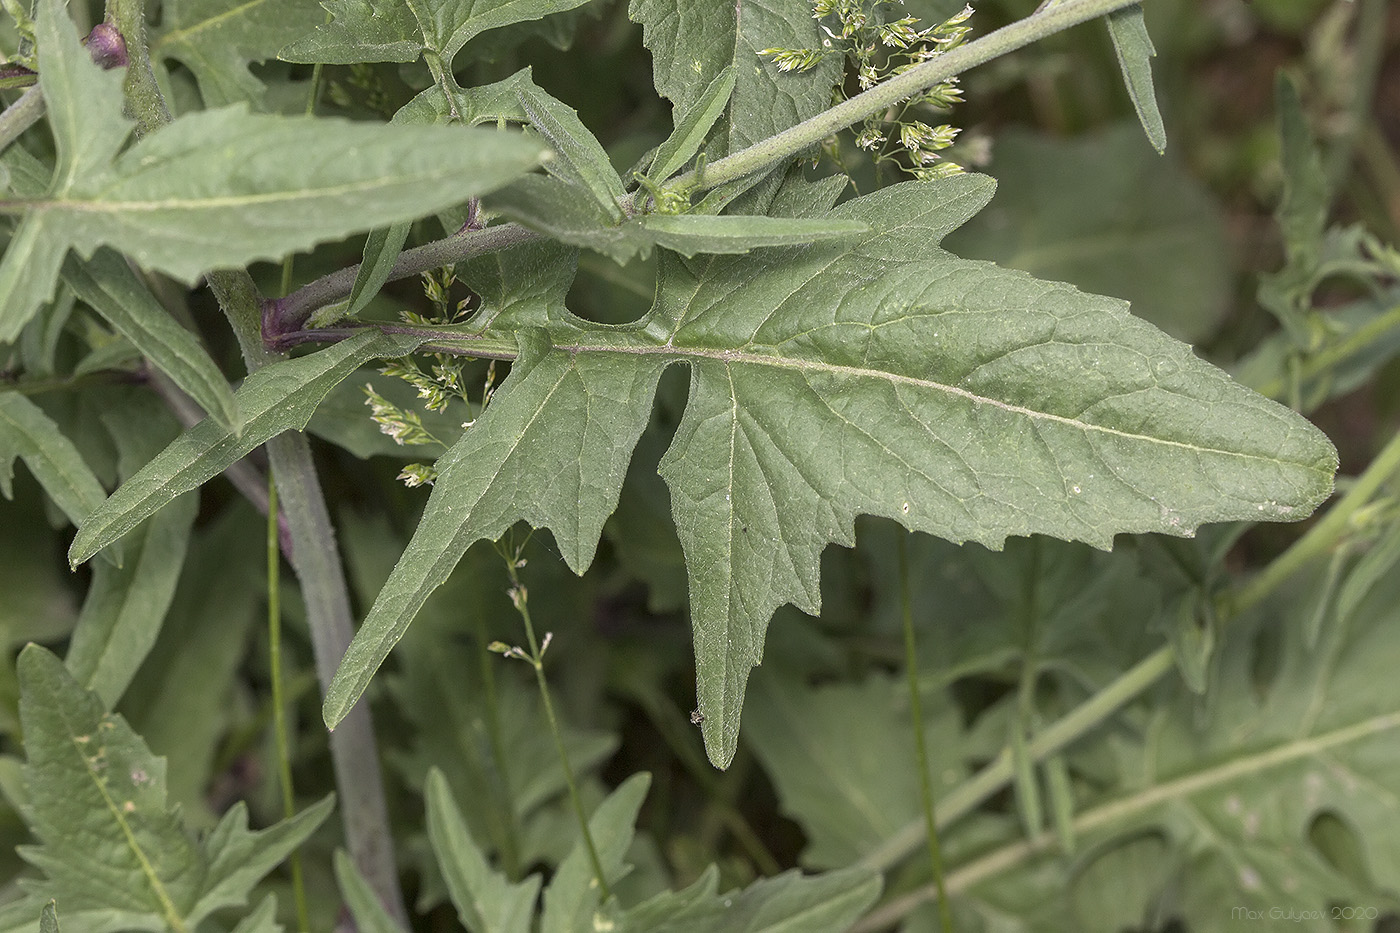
(285, 315)
(916, 714)
(992, 778)
(279, 719)
(21, 115)
(521, 598)
(796, 139)
(1333, 355)
(1321, 537)
(354, 752)
(143, 96)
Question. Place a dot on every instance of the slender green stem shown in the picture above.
(992, 778)
(510, 835)
(796, 139)
(279, 717)
(521, 598)
(916, 714)
(1321, 537)
(21, 115)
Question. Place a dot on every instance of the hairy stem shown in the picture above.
(21, 115)
(792, 141)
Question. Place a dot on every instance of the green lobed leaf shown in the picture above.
(108, 840)
(882, 376)
(957, 398)
(221, 188)
(48, 919)
(692, 42)
(486, 901)
(401, 30)
(573, 896)
(280, 397)
(1134, 48)
(108, 286)
(217, 39)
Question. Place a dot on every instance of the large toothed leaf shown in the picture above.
(217, 39)
(880, 376)
(401, 30)
(892, 378)
(222, 188)
(692, 42)
(109, 840)
(276, 398)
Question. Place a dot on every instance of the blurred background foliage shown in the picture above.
(1082, 197)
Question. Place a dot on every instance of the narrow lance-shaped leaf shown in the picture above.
(692, 42)
(565, 213)
(691, 128)
(573, 897)
(486, 901)
(1134, 48)
(222, 188)
(276, 398)
(125, 608)
(578, 156)
(370, 915)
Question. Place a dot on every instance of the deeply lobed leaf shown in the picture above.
(882, 376)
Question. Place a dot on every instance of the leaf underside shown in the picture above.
(879, 375)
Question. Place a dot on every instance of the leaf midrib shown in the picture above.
(99, 206)
(683, 354)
